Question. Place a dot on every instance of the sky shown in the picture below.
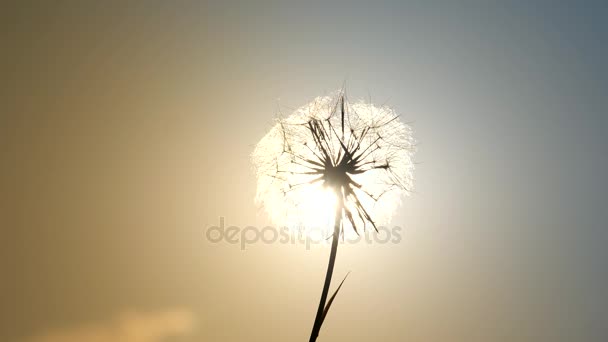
(126, 130)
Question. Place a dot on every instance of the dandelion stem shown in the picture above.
(330, 270)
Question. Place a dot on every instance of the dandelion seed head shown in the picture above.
(331, 151)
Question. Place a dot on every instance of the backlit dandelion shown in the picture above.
(334, 160)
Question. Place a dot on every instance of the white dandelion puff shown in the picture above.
(359, 153)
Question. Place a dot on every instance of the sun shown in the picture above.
(331, 153)
(313, 211)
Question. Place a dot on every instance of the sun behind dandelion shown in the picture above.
(328, 151)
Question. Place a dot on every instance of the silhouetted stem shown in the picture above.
(330, 270)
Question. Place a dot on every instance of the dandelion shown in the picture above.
(350, 163)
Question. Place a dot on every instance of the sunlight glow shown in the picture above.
(313, 210)
(331, 149)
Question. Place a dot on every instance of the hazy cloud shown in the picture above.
(128, 326)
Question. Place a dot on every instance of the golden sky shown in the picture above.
(126, 132)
